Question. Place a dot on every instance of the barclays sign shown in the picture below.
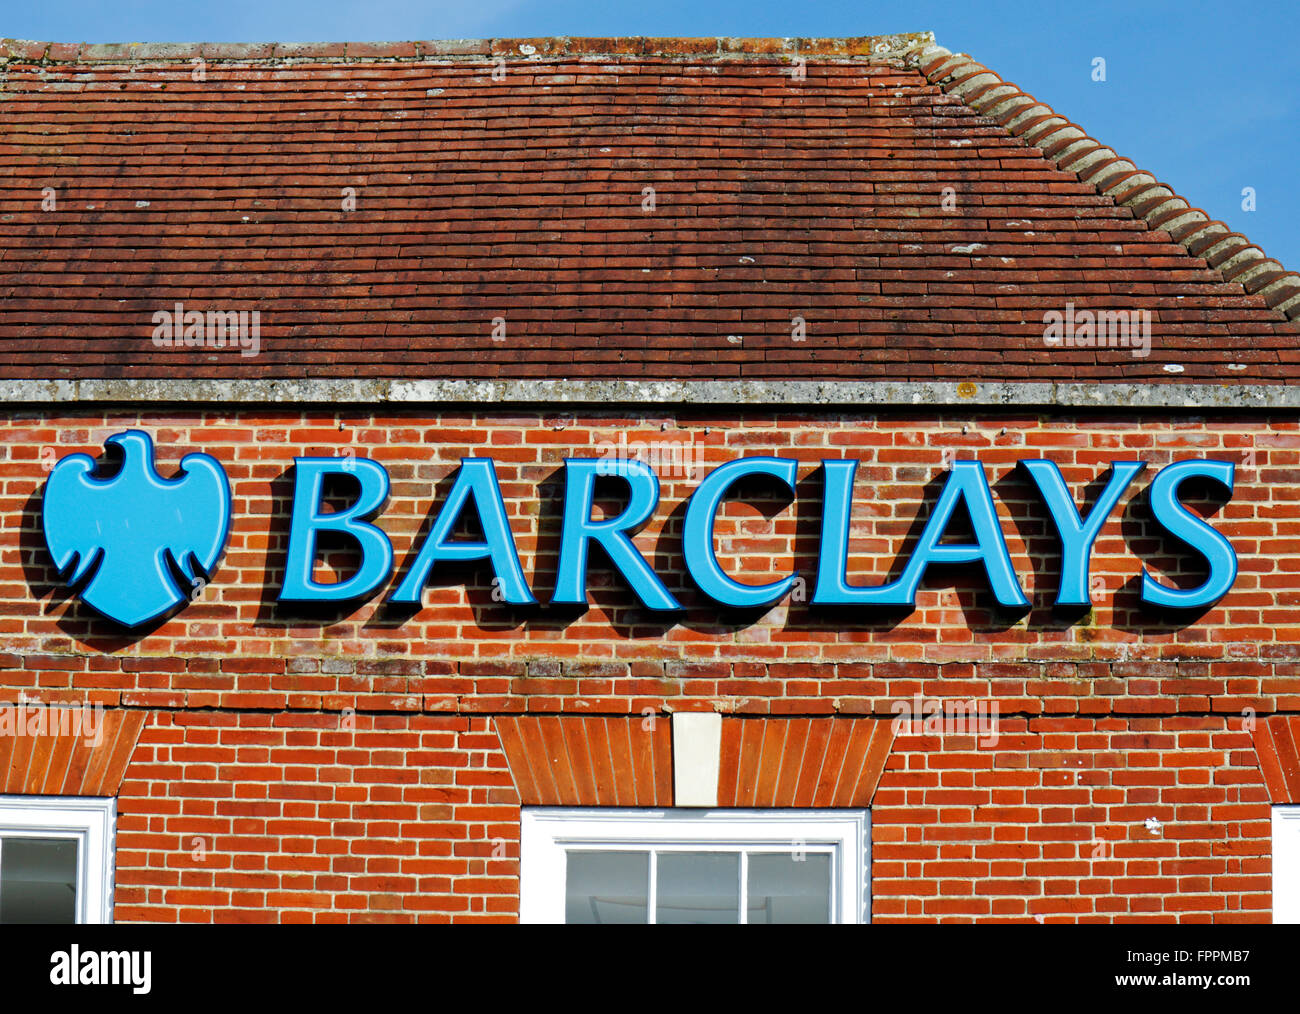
(132, 540)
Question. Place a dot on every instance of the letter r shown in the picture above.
(579, 529)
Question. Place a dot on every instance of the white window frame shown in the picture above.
(1286, 864)
(89, 820)
(546, 833)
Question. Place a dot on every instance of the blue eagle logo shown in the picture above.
(144, 543)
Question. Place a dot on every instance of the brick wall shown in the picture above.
(312, 817)
(1072, 819)
(1109, 718)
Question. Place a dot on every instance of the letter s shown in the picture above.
(1182, 524)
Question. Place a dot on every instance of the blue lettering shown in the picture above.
(477, 479)
(1076, 536)
(308, 520)
(966, 483)
(1184, 525)
(697, 536)
(578, 529)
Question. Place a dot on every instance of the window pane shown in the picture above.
(38, 880)
(784, 889)
(607, 887)
(698, 887)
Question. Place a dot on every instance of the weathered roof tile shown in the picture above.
(630, 208)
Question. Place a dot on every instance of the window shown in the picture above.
(1286, 864)
(56, 859)
(693, 866)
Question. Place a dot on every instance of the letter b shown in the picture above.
(308, 520)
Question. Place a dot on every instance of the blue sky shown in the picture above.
(1203, 95)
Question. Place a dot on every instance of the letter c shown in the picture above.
(697, 536)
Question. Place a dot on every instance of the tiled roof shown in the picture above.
(595, 208)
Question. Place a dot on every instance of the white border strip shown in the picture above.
(697, 756)
(760, 393)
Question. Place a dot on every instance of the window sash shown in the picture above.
(548, 833)
(90, 821)
(1286, 864)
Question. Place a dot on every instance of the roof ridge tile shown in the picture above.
(1244, 263)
